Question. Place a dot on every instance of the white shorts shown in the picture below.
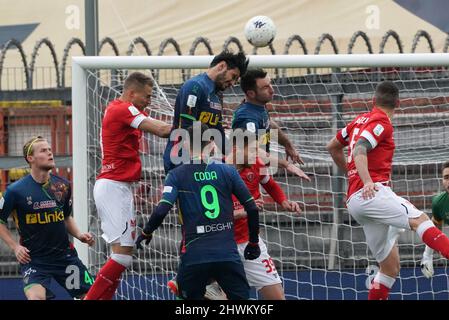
(114, 202)
(260, 272)
(377, 214)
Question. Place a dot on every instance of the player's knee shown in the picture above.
(391, 268)
(391, 265)
(396, 268)
(123, 259)
(117, 248)
(392, 271)
(415, 222)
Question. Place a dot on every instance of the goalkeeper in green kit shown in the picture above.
(440, 215)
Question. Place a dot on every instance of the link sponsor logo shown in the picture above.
(44, 217)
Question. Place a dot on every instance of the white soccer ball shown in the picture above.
(260, 31)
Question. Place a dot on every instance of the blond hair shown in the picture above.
(28, 146)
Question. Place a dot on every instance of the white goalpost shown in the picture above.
(322, 253)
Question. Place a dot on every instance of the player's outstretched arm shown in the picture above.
(287, 144)
(252, 250)
(73, 230)
(21, 252)
(281, 163)
(7, 206)
(239, 189)
(278, 195)
(156, 127)
(169, 196)
(291, 206)
(290, 167)
(156, 219)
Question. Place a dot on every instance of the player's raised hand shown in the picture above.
(87, 238)
(297, 171)
(22, 254)
(143, 236)
(259, 203)
(291, 206)
(369, 190)
(252, 251)
(294, 155)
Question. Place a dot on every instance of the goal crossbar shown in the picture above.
(268, 61)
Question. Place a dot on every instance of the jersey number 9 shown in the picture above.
(212, 207)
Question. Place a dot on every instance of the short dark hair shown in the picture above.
(445, 165)
(137, 79)
(232, 60)
(387, 94)
(249, 79)
(203, 128)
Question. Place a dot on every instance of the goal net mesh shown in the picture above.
(321, 253)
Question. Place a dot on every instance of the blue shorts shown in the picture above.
(230, 275)
(68, 271)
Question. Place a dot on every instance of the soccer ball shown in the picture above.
(260, 31)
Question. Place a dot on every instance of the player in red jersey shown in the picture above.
(122, 126)
(261, 272)
(370, 200)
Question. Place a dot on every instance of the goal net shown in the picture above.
(322, 253)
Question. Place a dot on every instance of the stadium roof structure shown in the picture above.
(19, 32)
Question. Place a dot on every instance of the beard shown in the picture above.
(263, 100)
(219, 81)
